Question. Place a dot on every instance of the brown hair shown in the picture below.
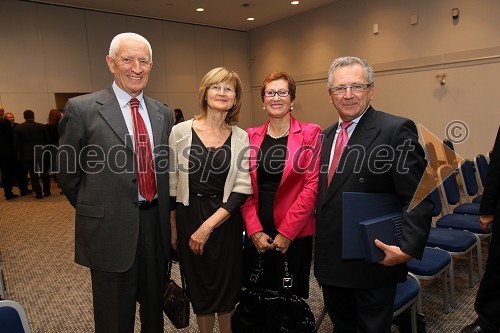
(278, 76)
(215, 76)
(54, 116)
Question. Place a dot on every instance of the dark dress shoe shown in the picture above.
(39, 196)
(47, 194)
(26, 192)
(475, 328)
(11, 196)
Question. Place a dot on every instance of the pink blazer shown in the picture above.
(295, 201)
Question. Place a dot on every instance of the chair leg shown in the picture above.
(471, 282)
(479, 259)
(452, 284)
(444, 283)
(413, 318)
(2, 284)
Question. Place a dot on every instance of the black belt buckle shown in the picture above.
(146, 204)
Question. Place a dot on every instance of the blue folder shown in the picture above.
(386, 229)
(359, 207)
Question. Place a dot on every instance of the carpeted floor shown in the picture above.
(36, 247)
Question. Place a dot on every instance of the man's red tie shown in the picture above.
(340, 144)
(143, 155)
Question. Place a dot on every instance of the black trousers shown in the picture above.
(487, 303)
(360, 310)
(34, 167)
(115, 294)
(11, 170)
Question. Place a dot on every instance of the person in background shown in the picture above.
(29, 138)
(210, 181)
(11, 118)
(11, 169)
(279, 216)
(179, 117)
(2, 112)
(55, 116)
(107, 172)
(487, 303)
(359, 295)
(53, 131)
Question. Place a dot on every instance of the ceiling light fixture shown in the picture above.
(200, 9)
(250, 19)
(295, 2)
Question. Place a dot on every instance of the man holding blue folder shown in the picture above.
(373, 152)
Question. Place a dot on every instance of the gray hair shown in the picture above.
(126, 36)
(349, 61)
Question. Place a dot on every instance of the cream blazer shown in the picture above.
(238, 178)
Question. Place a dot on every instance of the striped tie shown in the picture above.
(143, 155)
(340, 144)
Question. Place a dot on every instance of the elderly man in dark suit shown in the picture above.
(487, 303)
(29, 139)
(358, 295)
(107, 171)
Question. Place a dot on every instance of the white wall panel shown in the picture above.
(64, 37)
(209, 50)
(101, 28)
(21, 53)
(180, 57)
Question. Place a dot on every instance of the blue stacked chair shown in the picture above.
(451, 192)
(458, 243)
(408, 296)
(469, 181)
(482, 167)
(449, 234)
(13, 318)
(436, 263)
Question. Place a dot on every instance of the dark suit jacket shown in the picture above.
(98, 176)
(490, 203)
(377, 132)
(6, 139)
(28, 135)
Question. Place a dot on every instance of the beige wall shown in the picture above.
(48, 49)
(406, 59)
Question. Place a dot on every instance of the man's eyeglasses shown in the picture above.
(355, 88)
(272, 93)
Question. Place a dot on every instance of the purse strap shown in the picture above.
(259, 271)
(183, 279)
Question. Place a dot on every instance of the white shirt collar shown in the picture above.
(124, 98)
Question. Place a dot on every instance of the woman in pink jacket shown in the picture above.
(284, 168)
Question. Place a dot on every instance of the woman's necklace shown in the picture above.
(218, 137)
(279, 136)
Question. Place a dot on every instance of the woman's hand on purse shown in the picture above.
(261, 241)
(281, 242)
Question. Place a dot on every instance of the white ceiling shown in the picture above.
(230, 14)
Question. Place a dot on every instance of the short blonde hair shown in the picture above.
(215, 76)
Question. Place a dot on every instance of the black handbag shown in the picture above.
(175, 301)
(270, 311)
